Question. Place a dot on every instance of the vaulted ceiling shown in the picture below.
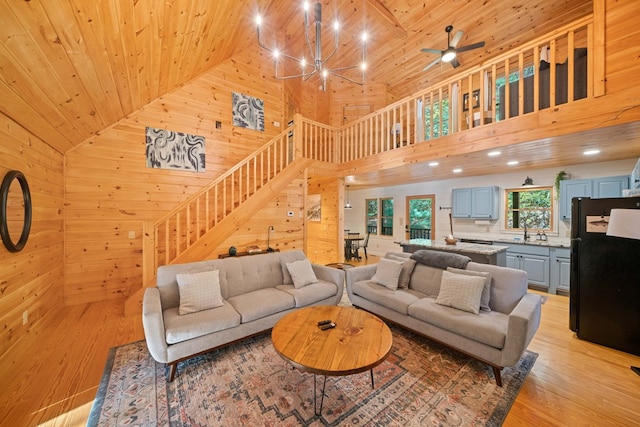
(70, 68)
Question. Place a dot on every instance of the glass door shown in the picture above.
(420, 217)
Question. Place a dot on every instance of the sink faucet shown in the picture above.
(526, 235)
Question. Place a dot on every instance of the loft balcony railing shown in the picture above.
(551, 70)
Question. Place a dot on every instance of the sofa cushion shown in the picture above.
(461, 292)
(440, 259)
(261, 303)
(487, 327)
(286, 257)
(387, 273)
(426, 279)
(311, 293)
(398, 300)
(301, 273)
(486, 290)
(181, 328)
(199, 291)
(408, 265)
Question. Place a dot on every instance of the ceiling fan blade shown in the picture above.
(454, 63)
(436, 51)
(431, 64)
(456, 38)
(470, 47)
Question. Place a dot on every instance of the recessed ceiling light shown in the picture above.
(493, 153)
(512, 162)
(457, 170)
(591, 152)
(432, 164)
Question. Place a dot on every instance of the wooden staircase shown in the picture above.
(204, 221)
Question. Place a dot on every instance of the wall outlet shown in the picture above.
(132, 234)
(25, 317)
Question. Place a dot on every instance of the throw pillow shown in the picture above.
(461, 291)
(408, 265)
(301, 273)
(199, 291)
(388, 273)
(486, 290)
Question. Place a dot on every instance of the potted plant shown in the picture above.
(562, 175)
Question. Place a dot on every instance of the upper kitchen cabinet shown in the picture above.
(596, 188)
(476, 203)
(635, 176)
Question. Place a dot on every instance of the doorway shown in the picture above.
(420, 217)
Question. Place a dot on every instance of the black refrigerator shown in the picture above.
(604, 303)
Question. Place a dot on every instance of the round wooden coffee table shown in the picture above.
(359, 342)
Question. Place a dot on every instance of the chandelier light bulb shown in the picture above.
(303, 63)
(364, 36)
(325, 73)
(336, 25)
(363, 66)
(276, 53)
(306, 6)
(258, 20)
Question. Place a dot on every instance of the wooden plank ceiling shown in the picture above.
(71, 68)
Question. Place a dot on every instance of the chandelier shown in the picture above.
(317, 65)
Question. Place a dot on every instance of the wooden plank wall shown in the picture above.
(323, 243)
(110, 191)
(31, 280)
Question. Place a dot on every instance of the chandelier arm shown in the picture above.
(361, 83)
(304, 75)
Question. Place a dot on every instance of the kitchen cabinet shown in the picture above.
(476, 203)
(569, 189)
(596, 188)
(560, 271)
(532, 259)
(610, 187)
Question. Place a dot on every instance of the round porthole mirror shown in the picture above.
(15, 211)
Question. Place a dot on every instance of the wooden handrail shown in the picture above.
(469, 100)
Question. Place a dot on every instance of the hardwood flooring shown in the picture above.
(573, 382)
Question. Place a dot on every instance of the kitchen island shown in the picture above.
(486, 254)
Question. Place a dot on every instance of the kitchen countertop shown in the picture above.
(472, 248)
(547, 243)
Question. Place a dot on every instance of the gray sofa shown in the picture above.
(256, 291)
(497, 337)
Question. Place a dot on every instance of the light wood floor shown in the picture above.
(573, 382)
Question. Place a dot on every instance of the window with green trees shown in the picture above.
(380, 216)
(530, 207)
(436, 119)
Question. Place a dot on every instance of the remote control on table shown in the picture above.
(328, 326)
(324, 322)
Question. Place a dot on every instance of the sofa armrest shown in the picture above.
(357, 274)
(153, 324)
(332, 275)
(522, 325)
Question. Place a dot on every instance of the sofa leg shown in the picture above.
(496, 373)
(172, 371)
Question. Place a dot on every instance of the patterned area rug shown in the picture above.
(248, 384)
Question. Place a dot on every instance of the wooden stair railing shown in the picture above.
(441, 109)
(203, 221)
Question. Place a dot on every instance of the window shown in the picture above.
(372, 216)
(436, 120)
(380, 216)
(529, 207)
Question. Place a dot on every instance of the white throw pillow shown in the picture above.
(301, 273)
(486, 290)
(199, 291)
(461, 291)
(388, 273)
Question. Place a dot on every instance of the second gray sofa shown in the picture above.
(497, 335)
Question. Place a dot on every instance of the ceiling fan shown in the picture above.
(449, 54)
